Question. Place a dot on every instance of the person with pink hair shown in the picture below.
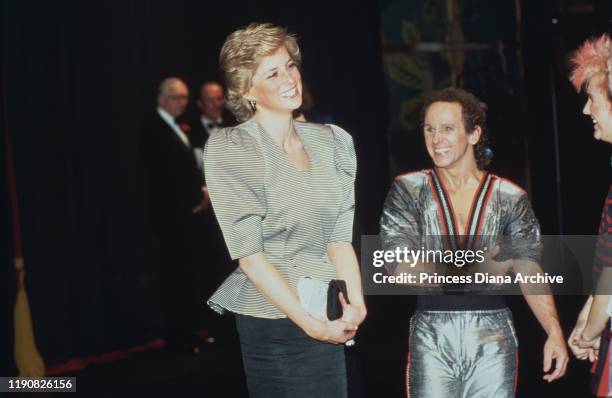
(591, 72)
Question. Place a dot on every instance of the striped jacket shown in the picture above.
(264, 203)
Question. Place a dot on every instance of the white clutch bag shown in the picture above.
(313, 296)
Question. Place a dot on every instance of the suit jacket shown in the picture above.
(173, 178)
(199, 135)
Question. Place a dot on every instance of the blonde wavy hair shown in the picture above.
(242, 53)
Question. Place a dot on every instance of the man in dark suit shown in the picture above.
(176, 204)
(213, 116)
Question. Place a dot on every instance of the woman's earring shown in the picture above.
(252, 105)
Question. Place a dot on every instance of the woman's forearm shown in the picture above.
(342, 256)
(586, 309)
(598, 317)
(274, 287)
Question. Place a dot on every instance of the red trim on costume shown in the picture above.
(474, 201)
(461, 237)
(483, 209)
(604, 382)
(450, 205)
(516, 370)
(485, 202)
(441, 216)
(601, 372)
(408, 366)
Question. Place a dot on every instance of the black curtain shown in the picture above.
(79, 77)
(8, 285)
(570, 170)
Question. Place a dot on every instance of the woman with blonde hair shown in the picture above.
(283, 193)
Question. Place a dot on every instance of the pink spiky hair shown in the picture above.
(591, 59)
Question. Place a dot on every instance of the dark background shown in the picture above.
(78, 77)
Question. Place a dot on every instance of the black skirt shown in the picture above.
(280, 360)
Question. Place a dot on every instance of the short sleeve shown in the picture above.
(523, 231)
(235, 176)
(399, 225)
(346, 169)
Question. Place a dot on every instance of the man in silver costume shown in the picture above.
(465, 345)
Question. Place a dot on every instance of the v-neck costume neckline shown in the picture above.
(448, 214)
(281, 152)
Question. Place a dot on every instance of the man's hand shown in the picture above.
(203, 205)
(554, 348)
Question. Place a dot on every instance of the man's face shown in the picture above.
(211, 101)
(175, 98)
(598, 107)
(446, 140)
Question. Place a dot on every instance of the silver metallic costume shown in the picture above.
(460, 346)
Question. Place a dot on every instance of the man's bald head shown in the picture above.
(173, 96)
(211, 101)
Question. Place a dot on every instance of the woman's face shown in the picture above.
(277, 84)
(598, 107)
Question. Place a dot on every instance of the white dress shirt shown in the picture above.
(206, 122)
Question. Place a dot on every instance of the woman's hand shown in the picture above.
(590, 346)
(352, 313)
(593, 355)
(573, 341)
(334, 332)
(593, 343)
(574, 338)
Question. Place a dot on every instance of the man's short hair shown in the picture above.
(210, 83)
(472, 113)
(166, 83)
